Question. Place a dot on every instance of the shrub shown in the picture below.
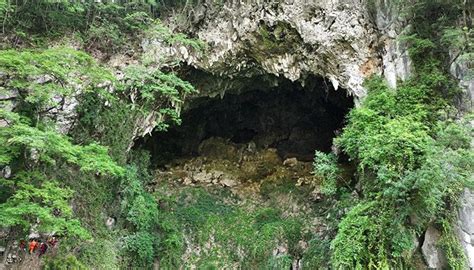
(47, 203)
(64, 263)
(326, 168)
(141, 244)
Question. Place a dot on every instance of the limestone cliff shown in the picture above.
(337, 40)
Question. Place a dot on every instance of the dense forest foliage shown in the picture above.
(51, 168)
(411, 145)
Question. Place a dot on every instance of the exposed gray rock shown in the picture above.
(227, 182)
(292, 39)
(8, 94)
(202, 177)
(4, 232)
(461, 69)
(343, 41)
(6, 172)
(465, 225)
(33, 235)
(34, 155)
(7, 101)
(187, 181)
(66, 114)
(432, 253)
(297, 264)
(110, 222)
(280, 250)
(290, 162)
(395, 58)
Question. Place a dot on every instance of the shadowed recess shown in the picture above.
(294, 119)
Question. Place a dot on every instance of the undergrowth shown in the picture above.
(227, 234)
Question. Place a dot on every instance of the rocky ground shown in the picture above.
(240, 167)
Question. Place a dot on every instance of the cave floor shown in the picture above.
(241, 168)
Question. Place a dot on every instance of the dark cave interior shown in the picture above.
(294, 119)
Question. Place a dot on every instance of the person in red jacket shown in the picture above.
(32, 246)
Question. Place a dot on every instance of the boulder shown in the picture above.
(227, 182)
(290, 162)
(202, 177)
(6, 172)
(110, 222)
(432, 253)
(297, 264)
(187, 181)
(280, 250)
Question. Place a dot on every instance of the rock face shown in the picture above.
(61, 108)
(465, 225)
(461, 69)
(294, 39)
(433, 254)
(395, 59)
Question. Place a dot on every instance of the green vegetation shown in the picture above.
(29, 203)
(155, 91)
(413, 157)
(411, 146)
(54, 173)
(64, 263)
(228, 234)
(104, 27)
(49, 147)
(406, 168)
(32, 194)
(32, 147)
(140, 211)
(326, 168)
(41, 76)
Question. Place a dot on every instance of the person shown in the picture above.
(22, 245)
(52, 241)
(33, 245)
(42, 250)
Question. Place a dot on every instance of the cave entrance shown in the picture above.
(294, 119)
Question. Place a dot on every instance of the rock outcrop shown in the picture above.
(222, 163)
(461, 69)
(465, 225)
(396, 63)
(294, 39)
(432, 253)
